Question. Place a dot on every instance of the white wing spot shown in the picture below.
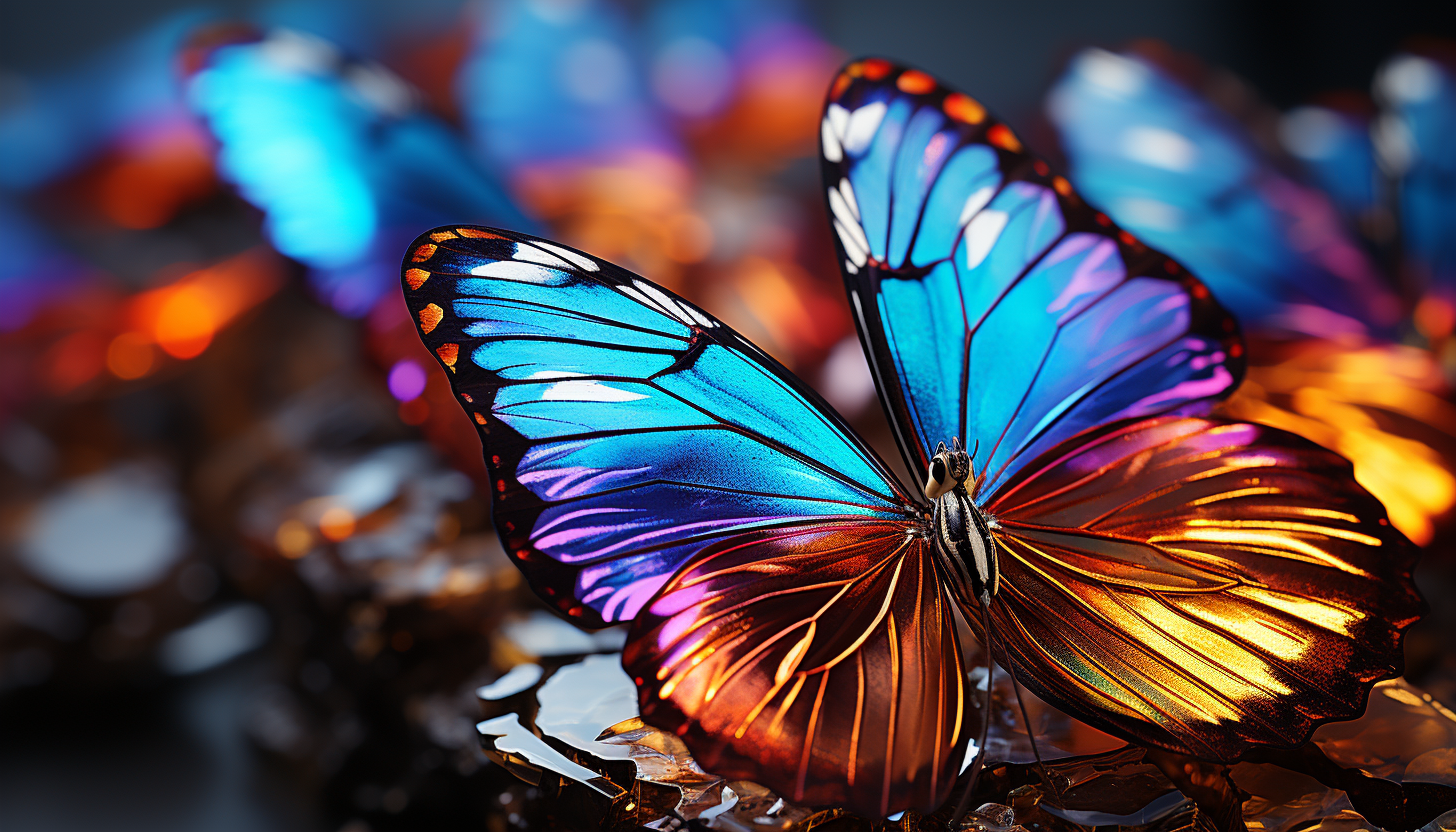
(838, 119)
(982, 234)
(1112, 72)
(1159, 147)
(529, 253)
(518, 271)
(581, 260)
(829, 143)
(854, 242)
(576, 390)
(975, 202)
(847, 191)
(863, 124)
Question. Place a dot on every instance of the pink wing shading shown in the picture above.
(1200, 585)
(820, 661)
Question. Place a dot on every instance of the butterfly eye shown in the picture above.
(938, 481)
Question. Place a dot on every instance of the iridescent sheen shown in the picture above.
(627, 429)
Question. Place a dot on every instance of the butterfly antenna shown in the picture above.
(965, 802)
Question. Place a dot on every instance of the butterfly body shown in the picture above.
(962, 531)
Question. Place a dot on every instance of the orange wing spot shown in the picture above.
(1062, 186)
(477, 234)
(430, 318)
(915, 82)
(467, 397)
(442, 236)
(480, 420)
(1102, 220)
(500, 485)
(1127, 238)
(495, 460)
(963, 108)
(424, 252)
(1001, 136)
(1200, 291)
(416, 277)
(448, 353)
(841, 83)
(1236, 350)
(873, 68)
(1170, 267)
(1040, 167)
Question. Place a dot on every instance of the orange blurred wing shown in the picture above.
(1200, 585)
(820, 661)
(1384, 407)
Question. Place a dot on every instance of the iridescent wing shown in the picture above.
(994, 304)
(631, 438)
(1166, 164)
(1416, 141)
(1200, 585)
(339, 156)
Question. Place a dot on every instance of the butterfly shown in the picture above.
(1188, 179)
(338, 155)
(1189, 582)
(1180, 173)
(1414, 140)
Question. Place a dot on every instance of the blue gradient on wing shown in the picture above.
(1165, 164)
(1004, 327)
(649, 430)
(344, 179)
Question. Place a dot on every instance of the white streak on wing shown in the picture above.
(581, 260)
(982, 234)
(702, 319)
(664, 302)
(974, 203)
(516, 270)
(575, 390)
(1114, 73)
(838, 119)
(529, 253)
(1159, 147)
(634, 294)
(858, 251)
(847, 191)
(863, 124)
(850, 267)
(828, 142)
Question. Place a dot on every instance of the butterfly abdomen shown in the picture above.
(963, 536)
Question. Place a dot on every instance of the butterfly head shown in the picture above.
(949, 468)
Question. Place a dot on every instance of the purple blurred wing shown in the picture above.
(821, 661)
(994, 304)
(1200, 585)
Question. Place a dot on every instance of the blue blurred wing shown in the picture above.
(1166, 164)
(626, 430)
(995, 306)
(1416, 139)
(1335, 148)
(339, 158)
(548, 82)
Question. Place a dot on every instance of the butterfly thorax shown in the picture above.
(962, 531)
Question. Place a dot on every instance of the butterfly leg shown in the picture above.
(1206, 784)
(1380, 801)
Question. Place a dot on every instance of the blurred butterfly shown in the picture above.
(792, 605)
(1183, 175)
(338, 156)
(1415, 143)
